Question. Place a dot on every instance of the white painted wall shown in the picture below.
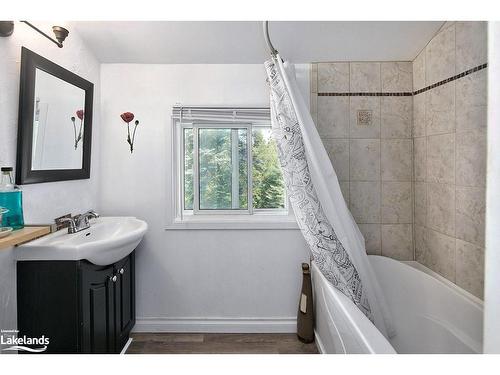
(42, 202)
(492, 258)
(232, 280)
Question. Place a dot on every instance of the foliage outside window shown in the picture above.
(231, 168)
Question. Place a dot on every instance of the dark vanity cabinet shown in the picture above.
(80, 307)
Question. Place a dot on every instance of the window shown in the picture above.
(227, 168)
(231, 168)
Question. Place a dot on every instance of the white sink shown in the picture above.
(108, 240)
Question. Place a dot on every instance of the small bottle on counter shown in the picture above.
(11, 198)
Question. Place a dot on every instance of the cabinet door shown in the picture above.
(125, 300)
(47, 304)
(98, 328)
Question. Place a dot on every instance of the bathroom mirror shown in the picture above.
(55, 122)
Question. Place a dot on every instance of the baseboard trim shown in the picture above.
(216, 325)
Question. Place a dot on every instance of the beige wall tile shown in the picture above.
(446, 25)
(420, 246)
(441, 158)
(313, 77)
(419, 115)
(362, 103)
(471, 159)
(419, 71)
(440, 109)
(420, 203)
(396, 159)
(471, 44)
(438, 253)
(470, 214)
(333, 77)
(420, 158)
(344, 188)
(435, 154)
(396, 202)
(371, 233)
(313, 108)
(470, 268)
(397, 241)
(365, 77)
(338, 151)
(396, 76)
(471, 101)
(333, 116)
(365, 201)
(396, 116)
(440, 56)
(459, 158)
(364, 157)
(441, 208)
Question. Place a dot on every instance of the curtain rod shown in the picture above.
(272, 50)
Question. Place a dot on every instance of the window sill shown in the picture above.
(224, 222)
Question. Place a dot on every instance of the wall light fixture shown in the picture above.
(7, 28)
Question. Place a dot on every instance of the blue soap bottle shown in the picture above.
(11, 198)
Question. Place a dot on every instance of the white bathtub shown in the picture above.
(430, 314)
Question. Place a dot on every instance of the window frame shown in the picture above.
(250, 218)
(196, 126)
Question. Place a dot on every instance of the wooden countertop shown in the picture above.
(21, 236)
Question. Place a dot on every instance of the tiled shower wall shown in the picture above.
(408, 143)
(450, 154)
(368, 138)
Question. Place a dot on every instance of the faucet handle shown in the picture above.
(59, 224)
(91, 213)
(72, 224)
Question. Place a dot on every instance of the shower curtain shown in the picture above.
(336, 244)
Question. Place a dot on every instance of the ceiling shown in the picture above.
(235, 42)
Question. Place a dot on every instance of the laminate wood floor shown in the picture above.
(217, 343)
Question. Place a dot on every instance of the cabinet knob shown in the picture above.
(122, 271)
(113, 279)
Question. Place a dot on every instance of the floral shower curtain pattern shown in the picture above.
(333, 237)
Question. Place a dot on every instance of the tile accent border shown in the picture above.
(455, 77)
(365, 94)
(424, 89)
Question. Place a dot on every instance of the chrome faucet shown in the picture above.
(81, 222)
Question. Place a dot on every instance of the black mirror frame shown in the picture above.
(30, 61)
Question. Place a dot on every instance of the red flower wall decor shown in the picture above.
(128, 117)
(80, 115)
